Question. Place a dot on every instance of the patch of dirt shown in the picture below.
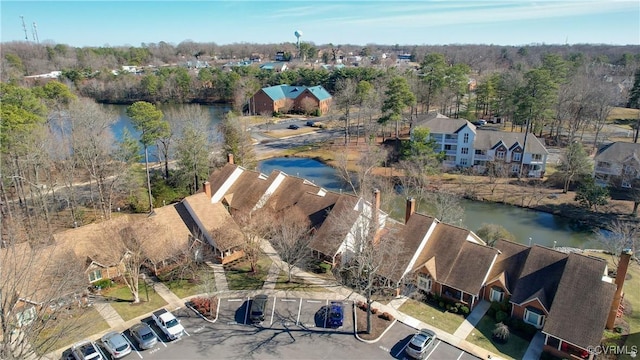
(378, 324)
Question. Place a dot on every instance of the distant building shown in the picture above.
(295, 98)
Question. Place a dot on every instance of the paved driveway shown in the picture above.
(294, 328)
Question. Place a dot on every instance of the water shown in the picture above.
(217, 113)
(542, 228)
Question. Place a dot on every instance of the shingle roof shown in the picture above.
(247, 190)
(332, 232)
(582, 303)
(440, 125)
(540, 276)
(618, 152)
(170, 234)
(219, 176)
(410, 236)
(422, 119)
(509, 263)
(214, 216)
(459, 263)
(487, 139)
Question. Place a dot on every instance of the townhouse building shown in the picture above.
(467, 146)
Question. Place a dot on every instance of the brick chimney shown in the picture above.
(376, 208)
(411, 208)
(230, 159)
(207, 189)
(621, 273)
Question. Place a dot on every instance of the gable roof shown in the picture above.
(411, 236)
(540, 276)
(332, 232)
(488, 139)
(460, 263)
(247, 190)
(210, 217)
(582, 303)
(509, 263)
(219, 176)
(440, 124)
(618, 152)
(278, 92)
(171, 234)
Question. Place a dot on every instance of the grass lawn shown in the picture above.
(481, 336)
(123, 305)
(443, 320)
(203, 282)
(68, 330)
(296, 284)
(239, 276)
(623, 113)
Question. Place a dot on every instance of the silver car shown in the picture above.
(86, 350)
(143, 334)
(420, 343)
(116, 344)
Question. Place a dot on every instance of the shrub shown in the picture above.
(501, 316)
(103, 284)
(441, 304)
(464, 310)
(386, 316)
(324, 267)
(204, 305)
(454, 309)
(501, 333)
(374, 310)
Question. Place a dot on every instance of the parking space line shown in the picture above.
(100, 351)
(132, 347)
(299, 310)
(401, 350)
(185, 331)
(158, 337)
(314, 301)
(434, 349)
(235, 299)
(246, 311)
(273, 310)
(292, 300)
(462, 353)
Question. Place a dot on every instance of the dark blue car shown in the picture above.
(336, 314)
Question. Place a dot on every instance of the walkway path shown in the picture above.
(535, 347)
(472, 320)
(219, 277)
(109, 314)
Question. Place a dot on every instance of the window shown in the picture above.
(626, 184)
(95, 275)
(479, 152)
(466, 138)
(515, 168)
(465, 150)
(536, 157)
(424, 282)
(27, 316)
(629, 170)
(464, 162)
(516, 156)
(534, 317)
(500, 155)
(497, 294)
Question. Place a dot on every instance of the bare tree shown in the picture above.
(40, 292)
(619, 235)
(308, 106)
(345, 99)
(368, 258)
(360, 176)
(253, 226)
(289, 233)
(447, 207)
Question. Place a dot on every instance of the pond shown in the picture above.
(529, 226)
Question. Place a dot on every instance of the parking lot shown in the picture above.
(293, 328)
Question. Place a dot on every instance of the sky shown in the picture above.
(417, 22)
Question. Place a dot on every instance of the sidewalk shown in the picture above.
(336, 292)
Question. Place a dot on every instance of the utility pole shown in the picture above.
(35, 33)
(24, 27)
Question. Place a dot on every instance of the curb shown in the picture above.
(355, 326)
(202, 316)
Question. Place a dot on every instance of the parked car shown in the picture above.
(143, 334)
(311, 123)
(420, 343)
(86, 350)
(336, 314)
(169, 324)
(293, 127)
(480, 122)
(116, 344)
(257, 308)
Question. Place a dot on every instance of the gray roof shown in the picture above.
(540, 276)
(422, 119)
(581, 307)
(444, 125)
(618, 152)
(487, 139)
(510, 261)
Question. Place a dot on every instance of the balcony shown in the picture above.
(483, 157)
(448, 140)
(606, 170)
(449, 163)
(451, 152)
